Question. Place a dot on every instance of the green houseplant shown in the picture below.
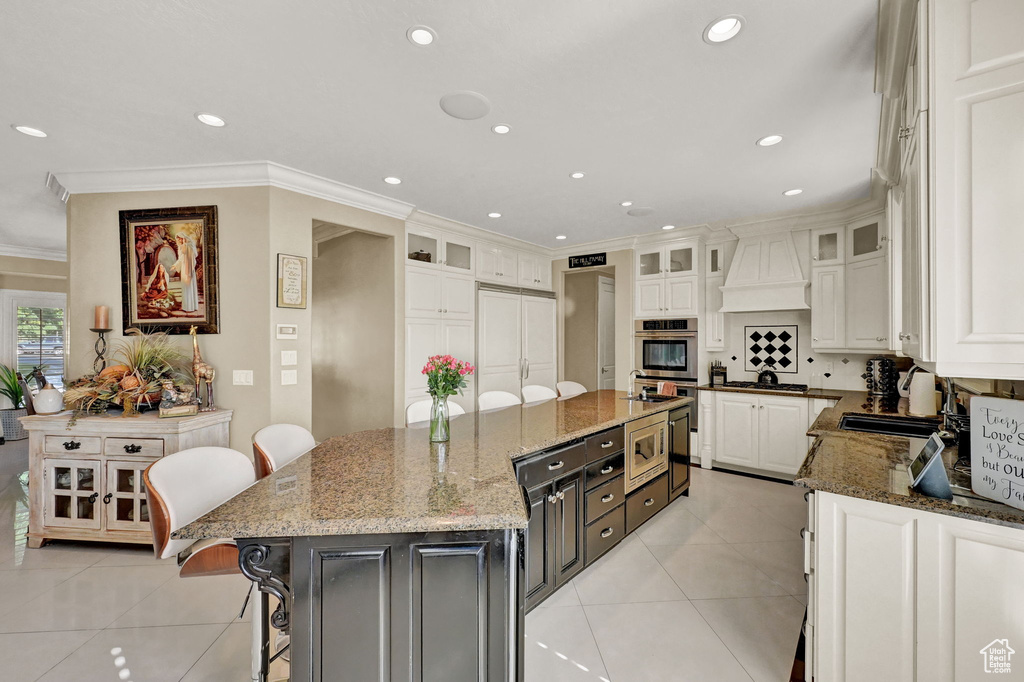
(10, 388)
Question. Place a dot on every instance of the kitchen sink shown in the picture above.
(908, 427)
(652, 398)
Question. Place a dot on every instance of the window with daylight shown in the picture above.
(40, 343)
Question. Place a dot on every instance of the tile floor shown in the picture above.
(722, 598)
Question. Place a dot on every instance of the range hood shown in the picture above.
(765, 276)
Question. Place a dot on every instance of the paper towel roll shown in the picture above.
(922, 395)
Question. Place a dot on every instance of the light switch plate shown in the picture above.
(289, 357)
(289, 377)
(241, 377)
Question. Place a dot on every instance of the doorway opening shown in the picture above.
(589, 328)
(353, 310)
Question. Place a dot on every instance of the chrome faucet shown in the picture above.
(905, 386)
(632, 375)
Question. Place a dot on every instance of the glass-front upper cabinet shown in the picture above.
(866, 239)
(437, 249)
(458, 254)
(828, 246)
(681, 260)
(423, 248)
(648, 262)
(674, 260)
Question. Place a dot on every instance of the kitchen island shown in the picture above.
(395, 558)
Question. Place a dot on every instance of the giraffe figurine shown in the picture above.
(202, 372)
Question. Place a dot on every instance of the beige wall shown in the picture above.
(255, 224)
(622, 261)
(353, 335)
(579, 306)
(33, 274)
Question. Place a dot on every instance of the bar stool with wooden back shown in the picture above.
(277, 445)
(180, 488)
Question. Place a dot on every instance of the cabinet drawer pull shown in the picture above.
(608, 498)
(92, 498)
(607, 444)
(648, 502)
(552, 498)
(107, 498)
(607, 532)
(132, 449)
(607, 469)
(72, 444)
(561, 495)
(556, 465)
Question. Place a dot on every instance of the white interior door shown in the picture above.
(499, 334)
(539, 348)
(605, 333)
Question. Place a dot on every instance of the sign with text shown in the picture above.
(997, 450)
(588, 261)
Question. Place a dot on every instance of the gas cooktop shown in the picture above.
(753, 385)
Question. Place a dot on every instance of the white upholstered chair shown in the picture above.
(277, 445)
(182, 487)
(534, 393)
(491, 400)
(568, 389)
(419, 411)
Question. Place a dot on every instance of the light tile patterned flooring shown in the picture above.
(710, 589)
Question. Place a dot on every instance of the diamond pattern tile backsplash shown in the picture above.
(772, 347)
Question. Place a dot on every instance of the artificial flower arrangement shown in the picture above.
(143, 362)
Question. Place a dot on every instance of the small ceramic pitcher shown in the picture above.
(49, 400)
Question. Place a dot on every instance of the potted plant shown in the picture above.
(445, 376)
(10, 388)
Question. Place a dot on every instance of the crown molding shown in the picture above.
(704, 232)
(33, 252)
(430, 221)
(242, 174)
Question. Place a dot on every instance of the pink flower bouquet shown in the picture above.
(445, 375)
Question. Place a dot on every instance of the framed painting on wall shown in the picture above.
(169, 269)
(291, 281)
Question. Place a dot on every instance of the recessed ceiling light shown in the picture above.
(421, 35)
(501, 129)
(723, 28)
(577, 175)
(493, 215)
(668, 227)
(793, 192)
(33, 132)
(392, 180)
(561, 236)
(211, 120)
(626, 204)
(769, 140)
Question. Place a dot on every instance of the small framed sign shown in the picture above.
(997, 450)
(588, 261)
(291, 281)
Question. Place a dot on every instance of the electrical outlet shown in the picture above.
(289, 358)
(830, 367)
(241, 377)
(289, 377)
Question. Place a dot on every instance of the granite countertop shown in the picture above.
(810, 394)
(874, 467)
(395, 481)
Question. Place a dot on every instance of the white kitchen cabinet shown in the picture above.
(867, 304)
(915, 292)
(498, 264)
(516, 341)
(681, 259)
(650, 299)
(440, 250)
(865, 239)
(427, 337)
(534, 271)
(828, 298)
(762, 432)
(717, 257)
(714, 322)
(681, 296)
(540, 352)
(435, 294)
(828, 246)
(905, 594)
(649, 263)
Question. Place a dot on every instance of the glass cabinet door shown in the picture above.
(681, 260)
(827, 246)
(125, 497)
(649, 264)
(458, 255)
(72, 492)
(864, 241)
(423, 248)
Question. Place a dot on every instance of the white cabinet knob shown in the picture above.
(814, 339)
(879, 338)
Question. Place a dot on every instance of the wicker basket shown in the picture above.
(12, 428)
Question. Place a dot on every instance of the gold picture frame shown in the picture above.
(291, 281)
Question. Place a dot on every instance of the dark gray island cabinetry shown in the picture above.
(394, 559)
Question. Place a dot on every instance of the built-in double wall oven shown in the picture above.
(666, 350)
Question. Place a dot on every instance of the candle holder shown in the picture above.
(100, 363)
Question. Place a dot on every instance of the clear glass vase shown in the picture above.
(439, 429)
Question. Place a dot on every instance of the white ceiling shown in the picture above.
(627, 92)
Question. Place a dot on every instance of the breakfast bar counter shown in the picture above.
(396, 558)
